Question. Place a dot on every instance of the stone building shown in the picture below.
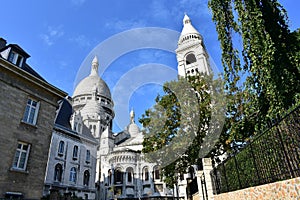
(71, 165)
(27, 112)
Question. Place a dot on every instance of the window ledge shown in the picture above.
(18, 170)
(59, 158)
(29, 124)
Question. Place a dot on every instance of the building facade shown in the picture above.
(72, 158)
(27, 112)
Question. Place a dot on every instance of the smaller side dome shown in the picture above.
(132, 128)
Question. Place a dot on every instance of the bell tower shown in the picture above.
(191, 54)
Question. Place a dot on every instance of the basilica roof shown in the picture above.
(86, 86)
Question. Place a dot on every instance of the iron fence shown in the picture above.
(272, 156)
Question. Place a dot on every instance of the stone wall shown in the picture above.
(284, 190)
(16, 86)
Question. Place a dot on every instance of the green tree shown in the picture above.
(174, 129)
(262, 73)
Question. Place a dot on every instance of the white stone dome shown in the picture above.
(133, 129)
(86, 86)
(92, 82)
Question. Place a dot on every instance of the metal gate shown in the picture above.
(203, 187)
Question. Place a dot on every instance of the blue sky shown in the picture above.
(59, 35)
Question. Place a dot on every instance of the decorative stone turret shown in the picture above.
(95, 65)
(132, 128)
(192, 57)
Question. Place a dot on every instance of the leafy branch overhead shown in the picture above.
(262, 73)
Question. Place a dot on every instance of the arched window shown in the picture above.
(94, 129)
(86, 178)
(146, 174)
(190, 58)
(73, 175)
(156, 173)
(181, 176)
(61, 147)
(75, 152)
(118, 176)
(109, 177)
(129, 172)
(75, 126)
(191, 172)
(88, 156)
(58, 172)
(79, 128)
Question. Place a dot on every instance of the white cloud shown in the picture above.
(52, 34)
(81, 40)
(46, 39)
(121, 25)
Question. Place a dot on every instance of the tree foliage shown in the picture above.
(262, 73)
(178, 123)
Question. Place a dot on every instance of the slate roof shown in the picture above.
(63, 116)
(24, 66)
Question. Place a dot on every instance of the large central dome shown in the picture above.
(88, 84)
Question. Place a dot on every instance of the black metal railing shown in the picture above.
(272, 156)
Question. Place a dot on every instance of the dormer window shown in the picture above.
(15, 58)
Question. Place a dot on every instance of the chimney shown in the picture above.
(2, 43)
